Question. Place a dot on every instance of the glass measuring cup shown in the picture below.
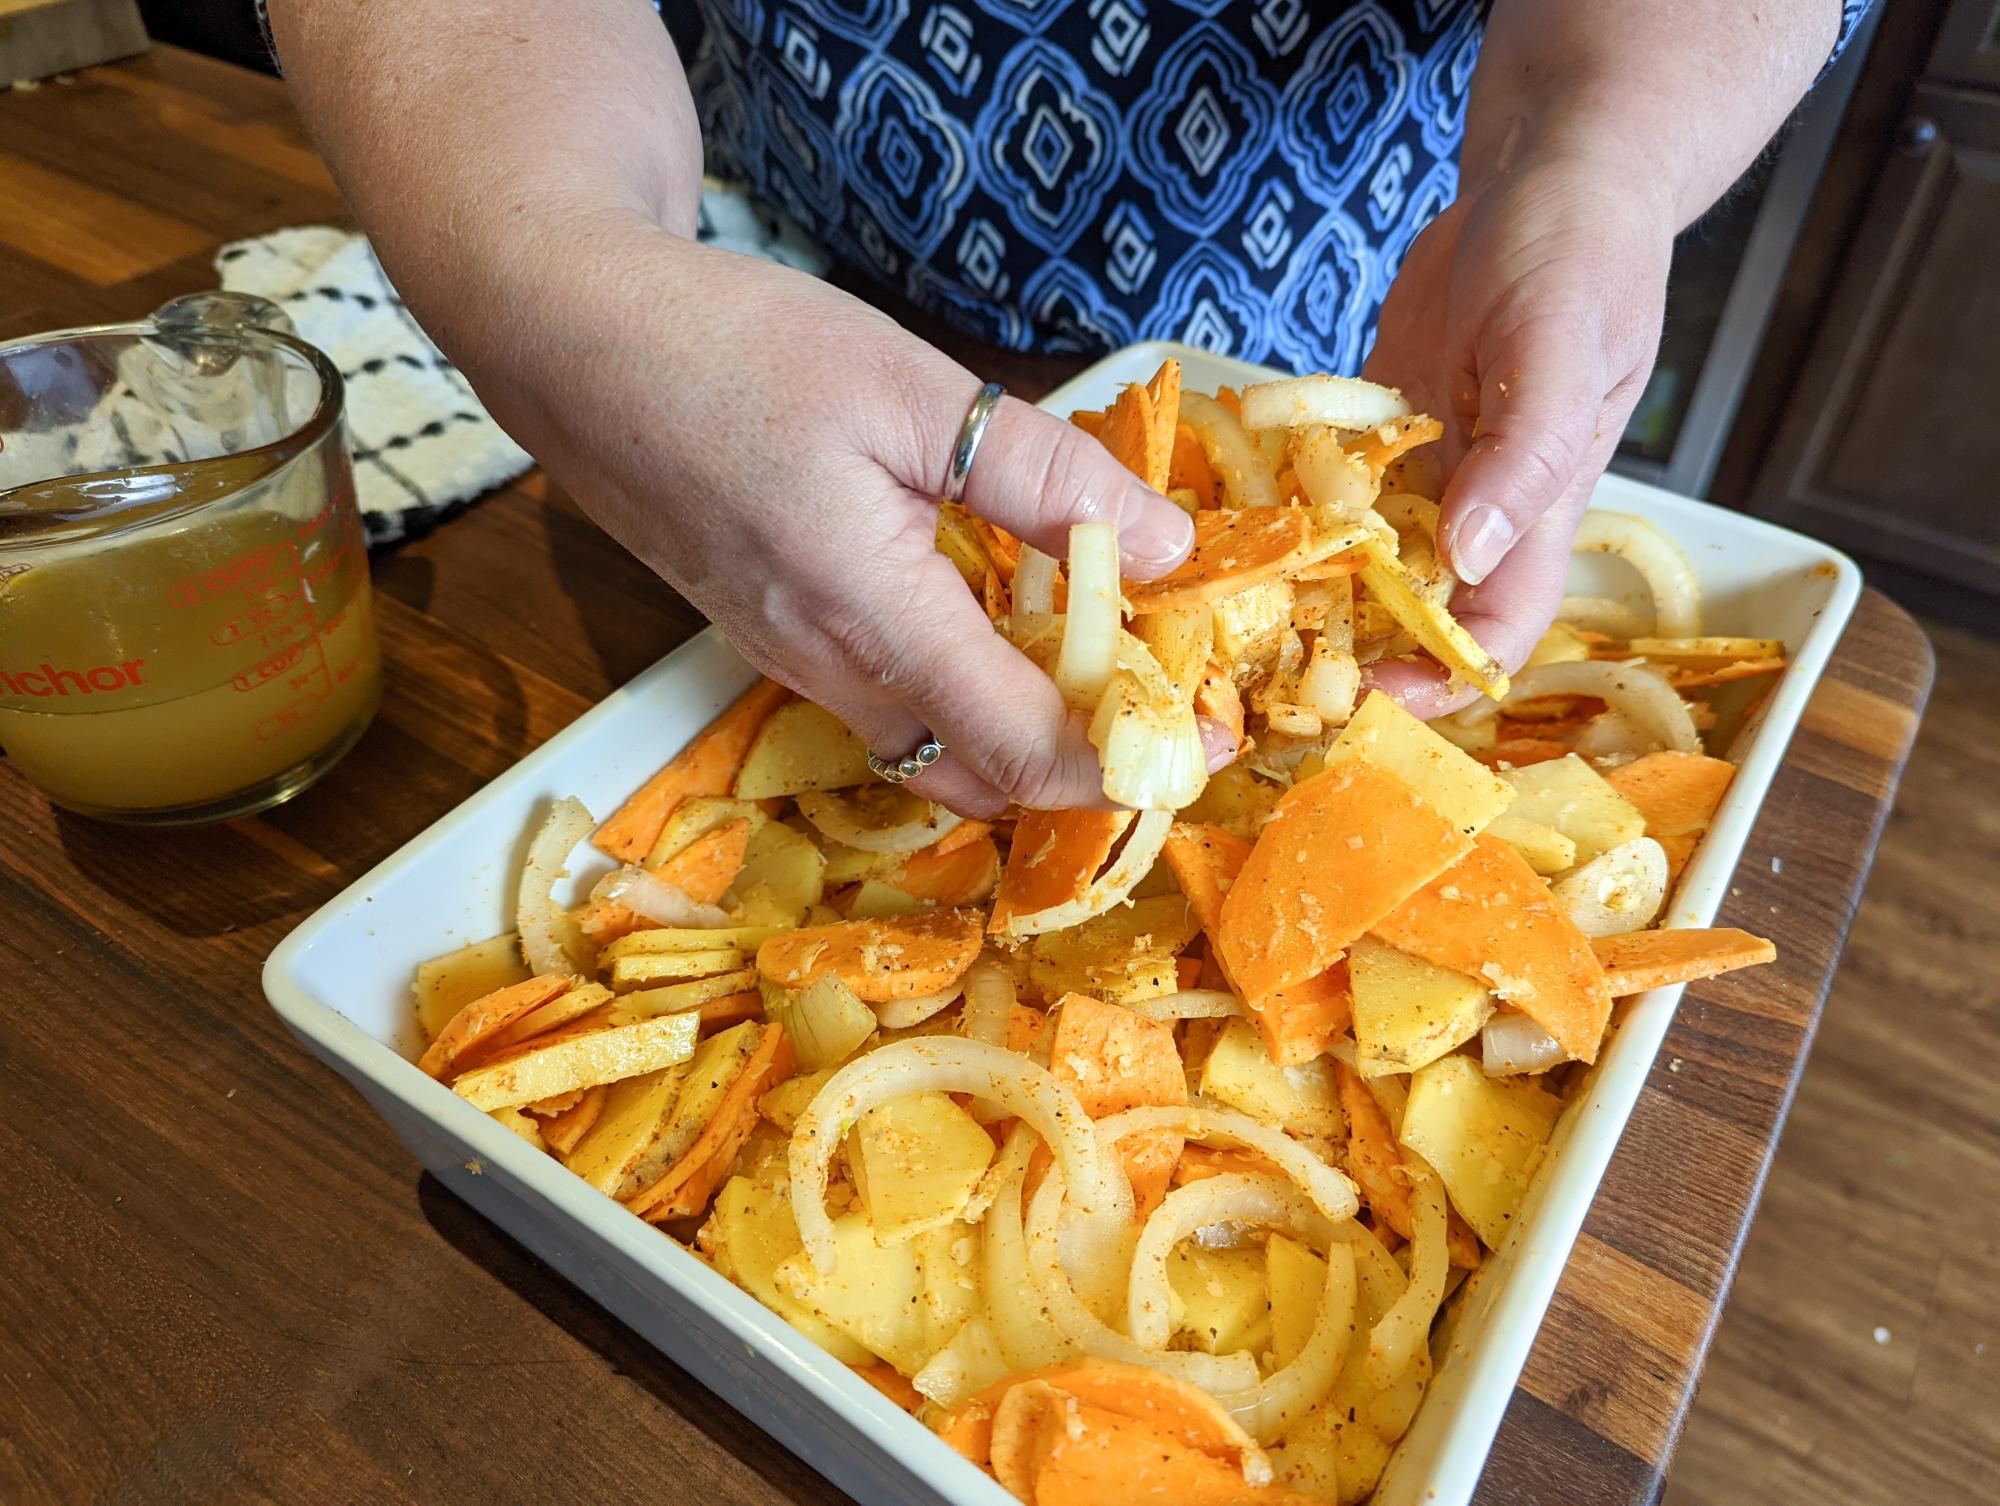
(185, 624)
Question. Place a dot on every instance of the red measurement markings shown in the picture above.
(231, 575)
(263, 673)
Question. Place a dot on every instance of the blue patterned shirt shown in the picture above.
(1073, 175)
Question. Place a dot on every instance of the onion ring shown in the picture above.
(1636, 689)
(835, 816)
(1617, 892)
(1668, 575)
(1330, 1190)
(1240, 462)
(551, 941)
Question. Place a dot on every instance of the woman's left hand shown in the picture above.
(1526, 317)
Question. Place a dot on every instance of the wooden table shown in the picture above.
(221, 1277)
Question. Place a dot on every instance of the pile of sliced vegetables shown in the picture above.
(1138, 1153)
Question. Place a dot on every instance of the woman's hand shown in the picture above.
(774, 449)
(1526, 317)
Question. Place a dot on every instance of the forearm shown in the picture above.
(491, 148)
(1675, 97)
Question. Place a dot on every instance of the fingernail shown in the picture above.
(1480, 542)
(1152, 533)
(1218, 742)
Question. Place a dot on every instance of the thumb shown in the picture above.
(1541, 398)
(1035, 475)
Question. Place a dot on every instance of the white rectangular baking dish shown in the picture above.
(340, 983)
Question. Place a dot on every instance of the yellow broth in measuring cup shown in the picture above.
(189, 638)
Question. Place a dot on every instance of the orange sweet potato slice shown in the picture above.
(1333, 567)
(1519, 752)
(1188, 468)
(1167, 1405)
(1200, 1161)
(1165, 391)
(1377, 448)
(573, 1123)
(1490, 916)
(1227, 396)
(1114, 1060)
(1131, 434)
(1070, 1452)
(1678, 851)
(1655, 959)
(1204, 861)
(1090, 420)
(1677, 793)
(486, 1016)
(708, 865)
(1001, 547)
(730, 1009)
(959, 875)
(961, 835)
(896, 957)
(685, 1187)
(891, 1383)
(1055, 856)
(1340, 851)
(1232, 551)
(1024, 1027)
(1693, 677)
(706, 766)
(1374, 1159)
(1187, 972)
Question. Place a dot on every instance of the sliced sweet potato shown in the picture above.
(1333, 567)
(1519, 752)
(1694, 677)
(1069, 1452)
(1131, 434)
(708, 865)
(574, 1122)
(1233, 550)
(1001, 547)
(1055, 856)
(730, 1009)
(487, 1015)
(1169, 1406)
(1218, 699)
(1677, 793)
(1654, 959)
(1678, 851)
(1302, 1019)
(1490, 916)
(961, 835)
(1187, 972)
(960, 875)
(1379, 447)
(1115, 1059)
(1205, 861)
(1188, 468)
(1165, 391)
(1024, 1027)
(1090, 420)
(895, 957)
(891, 1383)
(1199, 1161)
(706, 766)
(685, 1188)
(1341, 850)
(1374, 1159)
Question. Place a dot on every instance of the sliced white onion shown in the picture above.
(1097, 1247)
(989, 1007)
(1190, 1004)
(1237, 459)
(1402, 1328)
(1015, 1152)
(1617, 892)
(1330, 1190)
(551, 941)
(967, 1365)
(1637, 690)
(1611, 737)
(1332, 681)
(1148, 744)
(902, 1014)
(945, 1064)
(653, 898)
(1214, 1373)
(1034, 587)
(1603, 614)
(1134, 861)
(1022, 1324)
(1268, 1409)
(1668, 575)
(836, 816)
(1344, 402)
(1332, 476)
(1089, 649)
(1511, 1044)
(1229, 1198)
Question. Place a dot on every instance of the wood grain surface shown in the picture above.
(225, 1280)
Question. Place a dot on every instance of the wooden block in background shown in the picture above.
(43, 37)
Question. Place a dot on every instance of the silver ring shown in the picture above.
(896, 770)
(977, 417)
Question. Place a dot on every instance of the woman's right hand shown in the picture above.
(773, 448)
